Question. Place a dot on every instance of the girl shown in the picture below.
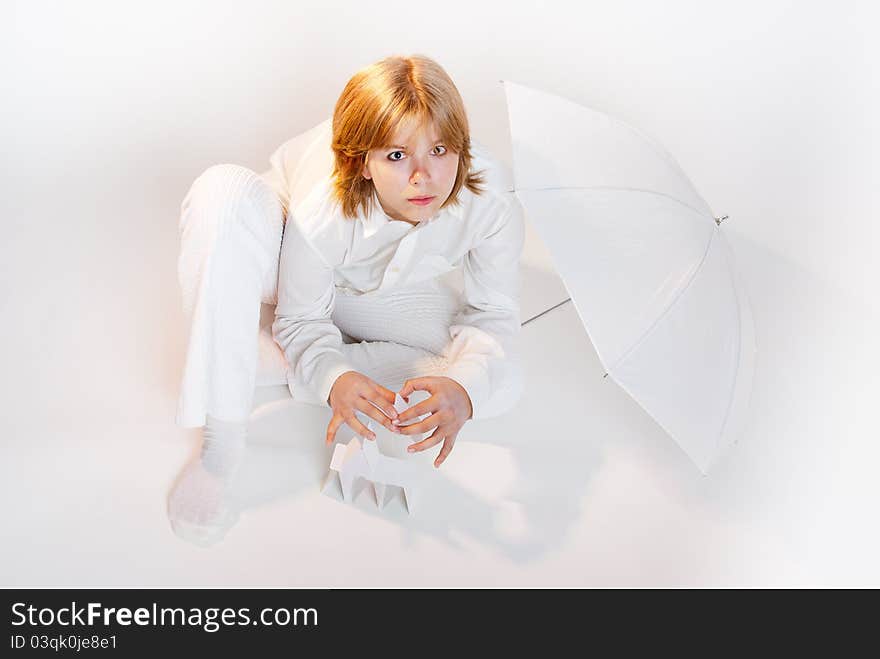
(398, 271)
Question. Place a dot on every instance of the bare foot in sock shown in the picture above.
(200, 506)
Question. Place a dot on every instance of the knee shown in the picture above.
(225, 178)
(228, 193)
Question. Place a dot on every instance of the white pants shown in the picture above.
(231, 225)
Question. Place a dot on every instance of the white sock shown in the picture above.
(200, 507)
(223, 444)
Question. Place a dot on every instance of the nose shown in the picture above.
(419, 174)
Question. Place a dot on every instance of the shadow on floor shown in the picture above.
(571, 422)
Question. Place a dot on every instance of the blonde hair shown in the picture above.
(375, 101)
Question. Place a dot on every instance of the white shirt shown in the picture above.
(324, 254)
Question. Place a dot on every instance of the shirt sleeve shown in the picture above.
(483, 353)
(303, 327)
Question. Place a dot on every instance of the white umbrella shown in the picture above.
(645, 262)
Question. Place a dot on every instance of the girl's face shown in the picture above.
(417, 165)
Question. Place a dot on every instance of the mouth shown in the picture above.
(421, 201)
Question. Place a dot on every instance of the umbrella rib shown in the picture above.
(614, 187)
(738, 293)
(669, 307)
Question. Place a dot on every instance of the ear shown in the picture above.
(365, 170)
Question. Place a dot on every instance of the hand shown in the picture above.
(355, 391)
(449, 405)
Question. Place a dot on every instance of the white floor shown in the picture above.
(578, 486)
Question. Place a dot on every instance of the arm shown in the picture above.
(483, 352)
(303, 329)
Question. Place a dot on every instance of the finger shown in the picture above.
(369, 408)
(435, 438)
(359, 427)
(445, 451)
(387, 394)
(416, 384)
(427, 424)
(333, 426)
(377, 398)
(425, 407)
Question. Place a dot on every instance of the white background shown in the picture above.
(110, 110)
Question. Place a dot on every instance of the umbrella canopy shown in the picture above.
(645, 262)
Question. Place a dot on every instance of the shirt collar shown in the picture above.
(377, 218)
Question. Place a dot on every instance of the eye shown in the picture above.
(394, 159)
(440, 146)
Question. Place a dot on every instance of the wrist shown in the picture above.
(469, 405)
(333, 386)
